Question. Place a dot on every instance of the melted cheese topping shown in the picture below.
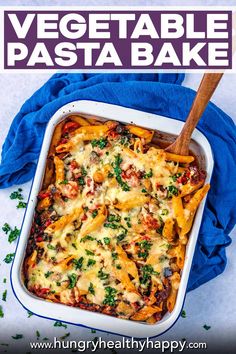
(120, 257)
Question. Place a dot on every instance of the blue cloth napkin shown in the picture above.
(155, 93)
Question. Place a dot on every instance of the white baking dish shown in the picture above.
(40, 307)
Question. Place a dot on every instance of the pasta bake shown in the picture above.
(112, 220)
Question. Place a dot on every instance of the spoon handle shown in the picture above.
(205, 91)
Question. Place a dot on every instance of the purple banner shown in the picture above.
(117, 40)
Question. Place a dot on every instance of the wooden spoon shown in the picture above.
(205, 91)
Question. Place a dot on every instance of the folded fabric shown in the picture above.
(160, 94)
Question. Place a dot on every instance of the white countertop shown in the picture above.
(213, 303)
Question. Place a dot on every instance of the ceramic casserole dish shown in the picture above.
(166, 131)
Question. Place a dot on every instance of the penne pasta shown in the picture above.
(65, 147)
(95, 224)
(138, 146)
(141, 132)
(168, 230)
(63, 221)
(124, 309)
(145, 313)
(178, 211)
(130, 266)
(91, 132)
(132, 203)
(190, 188)
(49, 174)
(178, 158)
(81, 121)
(112, 221)
(123, 276)
(44, 204)
(175, 280)
(192, 205)
(186, 227)
(59, 169)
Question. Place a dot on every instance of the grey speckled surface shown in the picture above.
(213, 304)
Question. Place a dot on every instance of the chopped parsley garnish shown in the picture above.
(59, 324)
(102, 275)
(145, 246)
(93, 331)
(113, 217)
(146, 272)
(81, 181)
(9, 257)
(118, 266)
(37, 334)
(30, 314)
(89, 253)
(87, 238)
(172, 190)
(143, 190)
(47, 274)
(12, 234)
(118, 171)
(78, 263)
(177, 175)
(110, 175)
(101, 143)
(183, 314)
(206, 327)
(21, 205)
(114, 255)
(65, 181)
(160, 229)
(65, 336)
(167, 245)
(124, 140)
(94, 214)
(91, 289)
(148, 174)
(17, 194)
(83, 171)
(121, 236)
(74, 245)
(110, 296)
(72, 278)
(164, 212)
(128, 223)
(50, 247)
(1, 312)
(106, 240)
(4, 280)
(17, 336)
(91, 262)
(6, 228)
(4, 295)
(111, 225)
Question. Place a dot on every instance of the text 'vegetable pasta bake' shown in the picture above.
(112, 221)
